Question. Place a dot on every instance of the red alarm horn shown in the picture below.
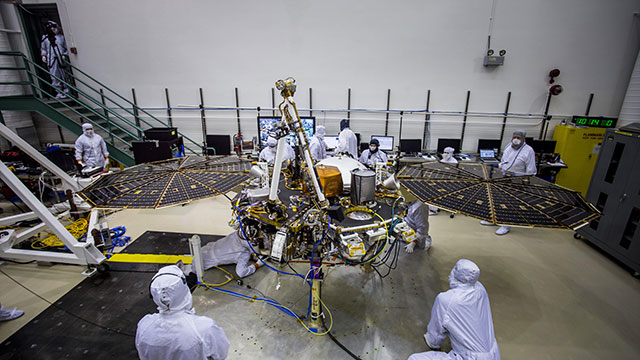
(555, 89)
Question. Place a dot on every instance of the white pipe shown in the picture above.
(277, 167)
(36, 155)
(304, 147)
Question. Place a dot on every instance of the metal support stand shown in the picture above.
(196, 251)
(41, 159)
(81, 253)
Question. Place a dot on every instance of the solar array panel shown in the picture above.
(167, 182)
(485, 193)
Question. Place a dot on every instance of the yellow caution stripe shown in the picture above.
(150, 258)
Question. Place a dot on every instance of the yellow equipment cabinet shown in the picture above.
(579, 149)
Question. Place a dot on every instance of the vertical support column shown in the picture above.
(238, 113)
(72, 205)
(273, 102)
(386, 122)
(586, 113)
(135, 112)
(61, 134)
(310, 103)
(546, 115)
(464, 120)
(203, 121)
(169, 118)
(106, 115)
(28, 70)
(3, 123)
(425, 133)
(349, 105)
(400, 132)
(504, 118)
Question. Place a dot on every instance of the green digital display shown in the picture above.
(595, 121)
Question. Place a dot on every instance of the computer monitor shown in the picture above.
(444, 143)
(410, 146)
(486, 144)
(331, 141)
(266, 127)
(543, 146)
(386, 142)
(220, 143)
(487, 153)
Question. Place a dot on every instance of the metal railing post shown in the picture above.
(135, 111)
(204, 124)
(106, 114)
(169, 119)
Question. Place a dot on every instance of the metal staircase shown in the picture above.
(116, 119)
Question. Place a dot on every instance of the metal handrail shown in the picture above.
(90, 98)
(84, 116)
(134, 106)
(34, 86)
(85, 95)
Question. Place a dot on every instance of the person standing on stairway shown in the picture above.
(52, 49)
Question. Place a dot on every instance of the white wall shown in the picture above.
(368, 46)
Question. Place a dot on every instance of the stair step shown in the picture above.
(55, 103)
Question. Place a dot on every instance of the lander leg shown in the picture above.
(315, 321)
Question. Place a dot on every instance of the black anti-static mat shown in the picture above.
(158, 242)
(116, 300)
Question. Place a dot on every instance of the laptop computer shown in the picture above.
(331, 141)
(488, 156)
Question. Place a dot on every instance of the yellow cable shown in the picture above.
(229, 279)
(76, 229)
(330, 317)
(207, 285)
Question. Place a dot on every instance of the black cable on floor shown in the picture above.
(68, 312)
(339, 343)
(17, 262)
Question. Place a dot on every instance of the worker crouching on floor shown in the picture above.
(176, 332)
(462, 313)
(231, 249)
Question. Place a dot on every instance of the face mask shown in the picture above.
(373, 149)
(446, 156)
(516, 142)
(89, 132)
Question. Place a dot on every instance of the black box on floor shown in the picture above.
(64, 158)
(147, 151)
(161, 134)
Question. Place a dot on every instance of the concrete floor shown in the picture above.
(553, 297)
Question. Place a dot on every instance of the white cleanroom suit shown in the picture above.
(231, 249)
(176, 332)
(347, 140)
(463, 313)
(418, 219)
(373, 154)
(91, 148)
(52, 56)
(317, 146)
(268, 154)
(447, 156)
(518, 159)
